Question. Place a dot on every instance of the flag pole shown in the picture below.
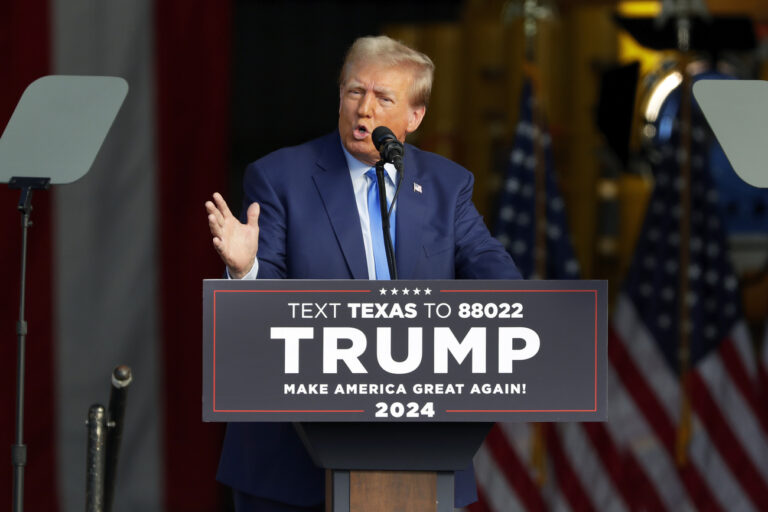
(684, 430)
(539, 443)
(533, 11)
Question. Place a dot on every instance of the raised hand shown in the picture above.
(236, 243)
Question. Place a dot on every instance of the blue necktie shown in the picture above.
(377, 237)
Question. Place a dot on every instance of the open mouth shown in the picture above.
(361, 132)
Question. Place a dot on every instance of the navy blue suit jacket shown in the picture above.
(310, 229)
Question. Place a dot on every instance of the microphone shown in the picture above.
(390, 149)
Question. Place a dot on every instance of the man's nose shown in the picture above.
(365, 107)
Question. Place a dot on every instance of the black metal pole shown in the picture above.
(96, 459)
(121, 379)
(19, 449)
(391, 263)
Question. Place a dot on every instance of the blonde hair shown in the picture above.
(388, 52)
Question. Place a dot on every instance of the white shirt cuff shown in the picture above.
(251, 273)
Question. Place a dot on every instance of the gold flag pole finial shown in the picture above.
(532, 13)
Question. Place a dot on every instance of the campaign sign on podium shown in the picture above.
(374, 351)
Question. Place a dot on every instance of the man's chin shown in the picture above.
(362, 150)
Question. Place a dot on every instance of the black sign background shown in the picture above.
(244, 375)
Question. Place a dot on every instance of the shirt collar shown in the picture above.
(358, 168)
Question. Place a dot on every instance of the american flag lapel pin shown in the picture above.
(417, 188)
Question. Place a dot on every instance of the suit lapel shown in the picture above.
(335, 187)
(410, 218)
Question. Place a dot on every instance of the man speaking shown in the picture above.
(311, 212)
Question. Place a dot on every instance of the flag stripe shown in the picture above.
(643, 352)
(514, 470)
(630, 427)
(737, 371)
(648, 403)
(734, 408)
(568, 481)
(638, 389)
(729, 447)
(626, 474)
(496, 494)
(481, 504)
(588, 467)
(24, 48)
(763, 373)
(705, 456)
(745, 351)
(193, 74)
(645, 495)
(600, 440)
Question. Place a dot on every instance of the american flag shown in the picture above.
(727, 454)
(515, 226)
(629, 462)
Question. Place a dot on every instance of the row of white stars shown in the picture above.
(406, 291)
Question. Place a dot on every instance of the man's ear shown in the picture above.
(415, 117)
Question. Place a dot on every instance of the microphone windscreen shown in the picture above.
(382, 135)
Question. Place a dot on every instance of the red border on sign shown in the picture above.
(594, 409)
(214, 351)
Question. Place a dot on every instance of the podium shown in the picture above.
(393, 385)
(391, 466)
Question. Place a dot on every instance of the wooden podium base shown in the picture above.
(389, 491)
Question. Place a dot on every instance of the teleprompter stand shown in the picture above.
(19, 449)
(52, 137)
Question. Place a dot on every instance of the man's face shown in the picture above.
(373, 96)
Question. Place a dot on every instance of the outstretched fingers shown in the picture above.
(213, 211)
(215, 223)
(236, 243)
(217, 220)
(221, 205)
